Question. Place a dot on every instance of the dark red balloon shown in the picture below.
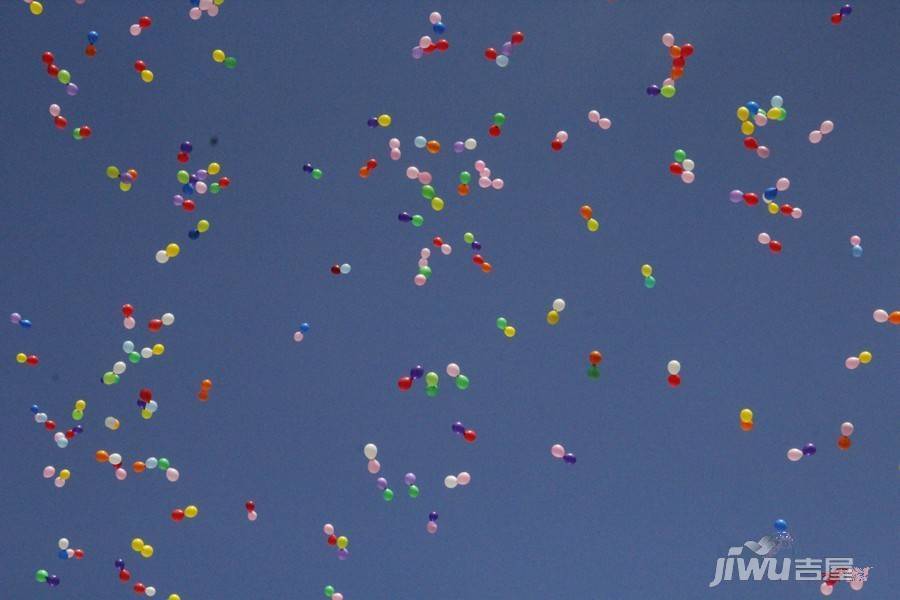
(494, 131)
(775, 246)
(332, 540)
(751, 199)
(674, 380)
(224, 182)
(32, 360)
(676, 168)
(52, 70)
(431, 48)
(79, 554)
(154, 324)
(404, 383)
(687, 50)
(139, 65)
(146, 394)
(751, 143)
(371, 163)
(477, 259)
(183, 157)
(60, 122)
(442, 44)
(517, 37)
(437, 242)
(679, 62)
(85, 131)
(336, 269)
(836, 18)
(139, 588)
(127, 310)
(145, 22)
(50, 424)
(786, 209)
(177, 514)
(250, 505)
(470, 435)
(556, 145)
(124, 575)
(90, 50)
(189, 205)
(490, 54)
(47, 58)
(70, 434)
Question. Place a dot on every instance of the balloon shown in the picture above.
(463, 478)
(794, 454)
(852, 362)
(373, 466)
(593, 225)
(137, 544)
(809, 449)
(847, 428)
(746, 415)
(553, 317)
(843, 442)
(462, 382)
(781, 525)
(826, 127)
(668, 40)
(218, 55)
(557, 451)
(370, 451)
(674, 367)
(450, 481)
(865, 357)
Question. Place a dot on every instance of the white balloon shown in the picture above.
(559, 305)
(150, 591)
(502, 60)
(450, 481)
(146, 352)
(763, 238)
(370, 451)
(674, 367)
(128, 347)
(880, 315)
(168, 319)
(151, 463)
(115, 459)
(688, 164)
(470, 144)
(668, 40)
(161, 256)
(119, 368)
(63, 543)
(794, 454)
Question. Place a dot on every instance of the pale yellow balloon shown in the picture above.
(218, 55)
(36, 7)
(20, 358)
(773, 113)
(147, 551)
(646, 270)
(593, 225)
(124, 186)
(147, 75)
(146, 413)
(743, 113)
(384, 120)
(509, 331)
(137, 544)
(190, 511)
(203, 226)
(64, 474)
(437, 203)
(773, 208)
(746, 416)
(342, 542)
(158, 349)
(747, 128)
(80, 405)
(553, 317)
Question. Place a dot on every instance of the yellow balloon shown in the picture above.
(80, 405)
(384, 120)
(203, 226)
(743, 114)
(509, 331)
(36, 8)
(147, 75)
(213, 168)
(158, 349)
(593, 225)
(112, 171)
(773, 208)
(137, 544)
(773, 113)
(20, 358)
(172, 250)
(190, 511)
(646, 270)
(147, 551)
(124, 186)
(747, 128)
(553, 317)
(218, 55)
(437, 203)
(176, 596)
(342, 542)
(865, 357)
(217, 3)
(746, 416)
(146, 413)
(64, 474)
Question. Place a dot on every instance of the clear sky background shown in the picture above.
(665, 481)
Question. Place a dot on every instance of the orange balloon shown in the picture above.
(486, 267)
(203, 395)
(363, 172)
(462, 189)
(206, 384)
(586, 212)
(433, 146)
(894, 317)
(133, 173)
(674, 51)
(138, 466)
(677, 72)
(595, 357)
(747, 426)
(843, 442)
(102, 456)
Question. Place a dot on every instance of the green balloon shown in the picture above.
(650, 282)
(783, 114)
(317, 173)
(499, 119)
(667, 91)
(110, 378)
(388, 495)
(134, 357)
(680, 155)
(465, 177)
(183, 176)
(64, 76)
(41, 576)
(76, 133)
(431, 391)
(462, 382)
(501, 323)
(426, 271)
(230, 62)
(594, 372)
(214, 188)
(413, 491)
(77, 415)
(417, 220)
(163, 464)
(468, 237)
(427, 192)
(329, 591)
(431, 378)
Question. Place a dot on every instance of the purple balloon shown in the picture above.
(177, 199)
(736, 196)
(78, 429)
(381, 483)
(432, 516)
(417, 52)
(307, 168)
(569, 459)
(417, 371)
(404, 217)
(201, 174)
(372, 122)
(809, 449)
(53, 580)
(653, 90)
(71, 89)
(186, 146)
(409, 478)
(120, 563)
(343, 554)
(458, 428)
(506, 49)
(846, 9)
(476, 245)
(458, 147)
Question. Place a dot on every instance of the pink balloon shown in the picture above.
(394, 143)
(431, 527)
(847, 428)
(783, 184)
(121, 474)
(880, 315)
(687, 176)
(128, 322)
(59, 482)
(420, 280)
(434, 18)
(135, 29)
(826, 127)
(815, 136)
(557, 450)
(49, 471)
(453, 369)
(172, 474)
(668, 40)
(479, 165)
(760, 119)
(200, 186)
(54, 110)
(337, 596)
(562, 136)
(424, 42)
(395, 154)
(486, 172)
(794, 454)
(826, 589)
(463, 478)
(374, 465)
(328, 529)
(195, 13)
(484, 182)
(668, 81)
(604, 123)
(763, 238)
(205, 4)
(298, 336)
(252, 515)
(425, 252)
(423, 262)
(857, 584)
(446, 249)
(497, 184)
(213, 10)
(412, 172)
(852, 362)
(593, 116)
(797, 213)
(855, 240)
(424, 177)
(762, 152)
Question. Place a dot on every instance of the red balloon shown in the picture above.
(224, 182)
(50, 424)
(775, 246)
(32, 360)
(145, 22)
(687, 50)
(90, 50)
(494, 131)
(517, 37)
(477, 259)
(336, 269)
(60, 122)
(786, 209)
(189, 205)
(47, 58)
(676, 168)
(177, 514)
(332, 540)
(371, 163)
(404, 383)
(595, 357)
(70, 434)
(431, 48)
(127, 310)
(139, 588)
(751, 143)
(52, 70)
(556, 145)
(139, 65)
(79, 554)
(470, 435)
(183, 157)
(836, 18)
(442, 44)
(250, 505)
(438, 242)
(124, 575)
(751, 199)
(146, 394)
(154, 325)
(490, 54)
(674, 380)
(85, 131)
(679, 62)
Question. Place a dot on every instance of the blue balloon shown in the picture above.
(753, 107)
(35, 408)
(193, 234)
(187, 188)
(93, 36)
(439, 27)
(781, 525)
(770, 193)
(857, 251)
(304, 327)
(63, 554)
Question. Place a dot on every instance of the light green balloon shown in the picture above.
(465, 177)
(388, 495)
(77, 414)
(214, 188)
(413, 491)
(183, 176)
(468, 237)
(41, 576)
(417, 220)
(431, 391)
(680, 155)
(317, 173)
(650, 281)
(499, 119)
(501, 323)
(64, 76)
(431, 378)
(667, 91)
(76, 133)
(427, 192)
(783, 114)
(462, 382)
(163, 464)
(426, 271)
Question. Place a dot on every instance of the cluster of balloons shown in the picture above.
(383, 120)
(190, 511)
(855, 246)
(16, 319)
(760, 117)
(837, 17)
(153, 325)
(202, 227)
(425, 45)
(769, 195)
(250, 506)
(342, 269)
(683, 166)
(404, 383)
(210, 7)
(594, 360)
(37, 8)
(496, 127)
(298, 335)
(184, 153)
(816, 135)
(111, 423)
(432, 525)
(411, 488)
(138, 466)
(367, 168)
(219, 57)
(170, 251)
(334, 540)
(315, 172)
(146, 403)
(62, 76)
(424, 274)
(465, 178)
(451, 481)
(66, 553)
(469, 144)
(587, 213)
(416, 220)
(58, 120)
(139, 588)
(468, 434)
(78, 410)
(502, 59)
(142, 24)
(795, 454)
(559, 140)
(41, 575)
(394, 147)
(469, 238)
(484, 177)
(134, 357)
(674, 369)
(559, 451)
(881, 316)
(91, 48)
(205, 386)
(864, 358)
(146, 74)
(145, 550)
(557, 307)
(61, 439)
(462, 382)
(766, 240)
(197, 181)
(61, 479)
(649, 279)
(423, 177)
(81, 133)
(504, 326)
(330, 593)
(846, 431)
(602, 122)
(29, 359)
(746, 417)
(126, 178)
(679, 56)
